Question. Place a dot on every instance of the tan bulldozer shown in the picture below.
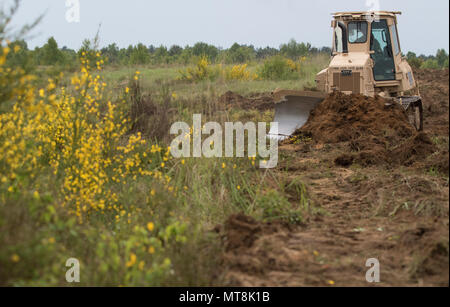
(367, 60)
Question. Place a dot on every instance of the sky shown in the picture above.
(423, 26)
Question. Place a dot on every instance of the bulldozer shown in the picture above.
(366, 59)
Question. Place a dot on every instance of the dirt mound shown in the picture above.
(373, 151)
(342, 117)
(377, 131)
(241, 231)
(439, 162)
(417, 148)
(260, 102)
(434, 87)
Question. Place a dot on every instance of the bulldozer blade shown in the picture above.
(292, 112)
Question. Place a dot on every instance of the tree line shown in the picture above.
(50, 54)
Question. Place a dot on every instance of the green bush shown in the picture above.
(413, 60)
(277, 68)
(430, 64)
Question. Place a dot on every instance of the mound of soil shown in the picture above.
(416, 148)
(342, 117)
(377, 130)
(260, 102)
(241, 231)
(439, 162)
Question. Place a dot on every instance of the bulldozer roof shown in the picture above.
(359, 14)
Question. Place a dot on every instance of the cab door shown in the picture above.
(383, 56)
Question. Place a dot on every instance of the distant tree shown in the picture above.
(326, 50)
(21, 57)
(294, 50)
(139, 55)
(124, 56)
(262, 53)
(161, 55)
(186, 55)
(203, 49)
(111, 52)
(413, 60)
(442, 57)
(430, 64)
(175, 51)
(240, 53)
(50, 54)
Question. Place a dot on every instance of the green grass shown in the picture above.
(153, 77)
(37, 235)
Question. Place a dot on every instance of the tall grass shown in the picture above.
(86, 173)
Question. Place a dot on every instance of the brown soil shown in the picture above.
(378, 131)
(370, 175)
(341, 118)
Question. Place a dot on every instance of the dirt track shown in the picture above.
(394, 211)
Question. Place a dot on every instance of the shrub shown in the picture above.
(201, 72)
(430, 64)
(239, 72)
(279, 68)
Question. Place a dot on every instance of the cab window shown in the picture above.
(380, 44)
(357, 32)
(395, 38)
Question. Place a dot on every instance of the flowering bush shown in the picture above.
(279, 68)
(202, 71)
(67, 168)
(239, 72)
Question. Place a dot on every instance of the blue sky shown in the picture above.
(423, 27)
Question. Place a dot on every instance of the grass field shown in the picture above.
(86, 174)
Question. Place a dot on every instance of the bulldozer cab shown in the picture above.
(372, 32)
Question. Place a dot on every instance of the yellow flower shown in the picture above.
(224, 165)
(238, 187)
(331, 282)
(151, 250)
(316, 253)
(150, 226)
(41, 92)
(132, 260)
(183, 161)
(141, 265)
(15, 258)
(36, 195)
(51, 240)
(163, 164)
